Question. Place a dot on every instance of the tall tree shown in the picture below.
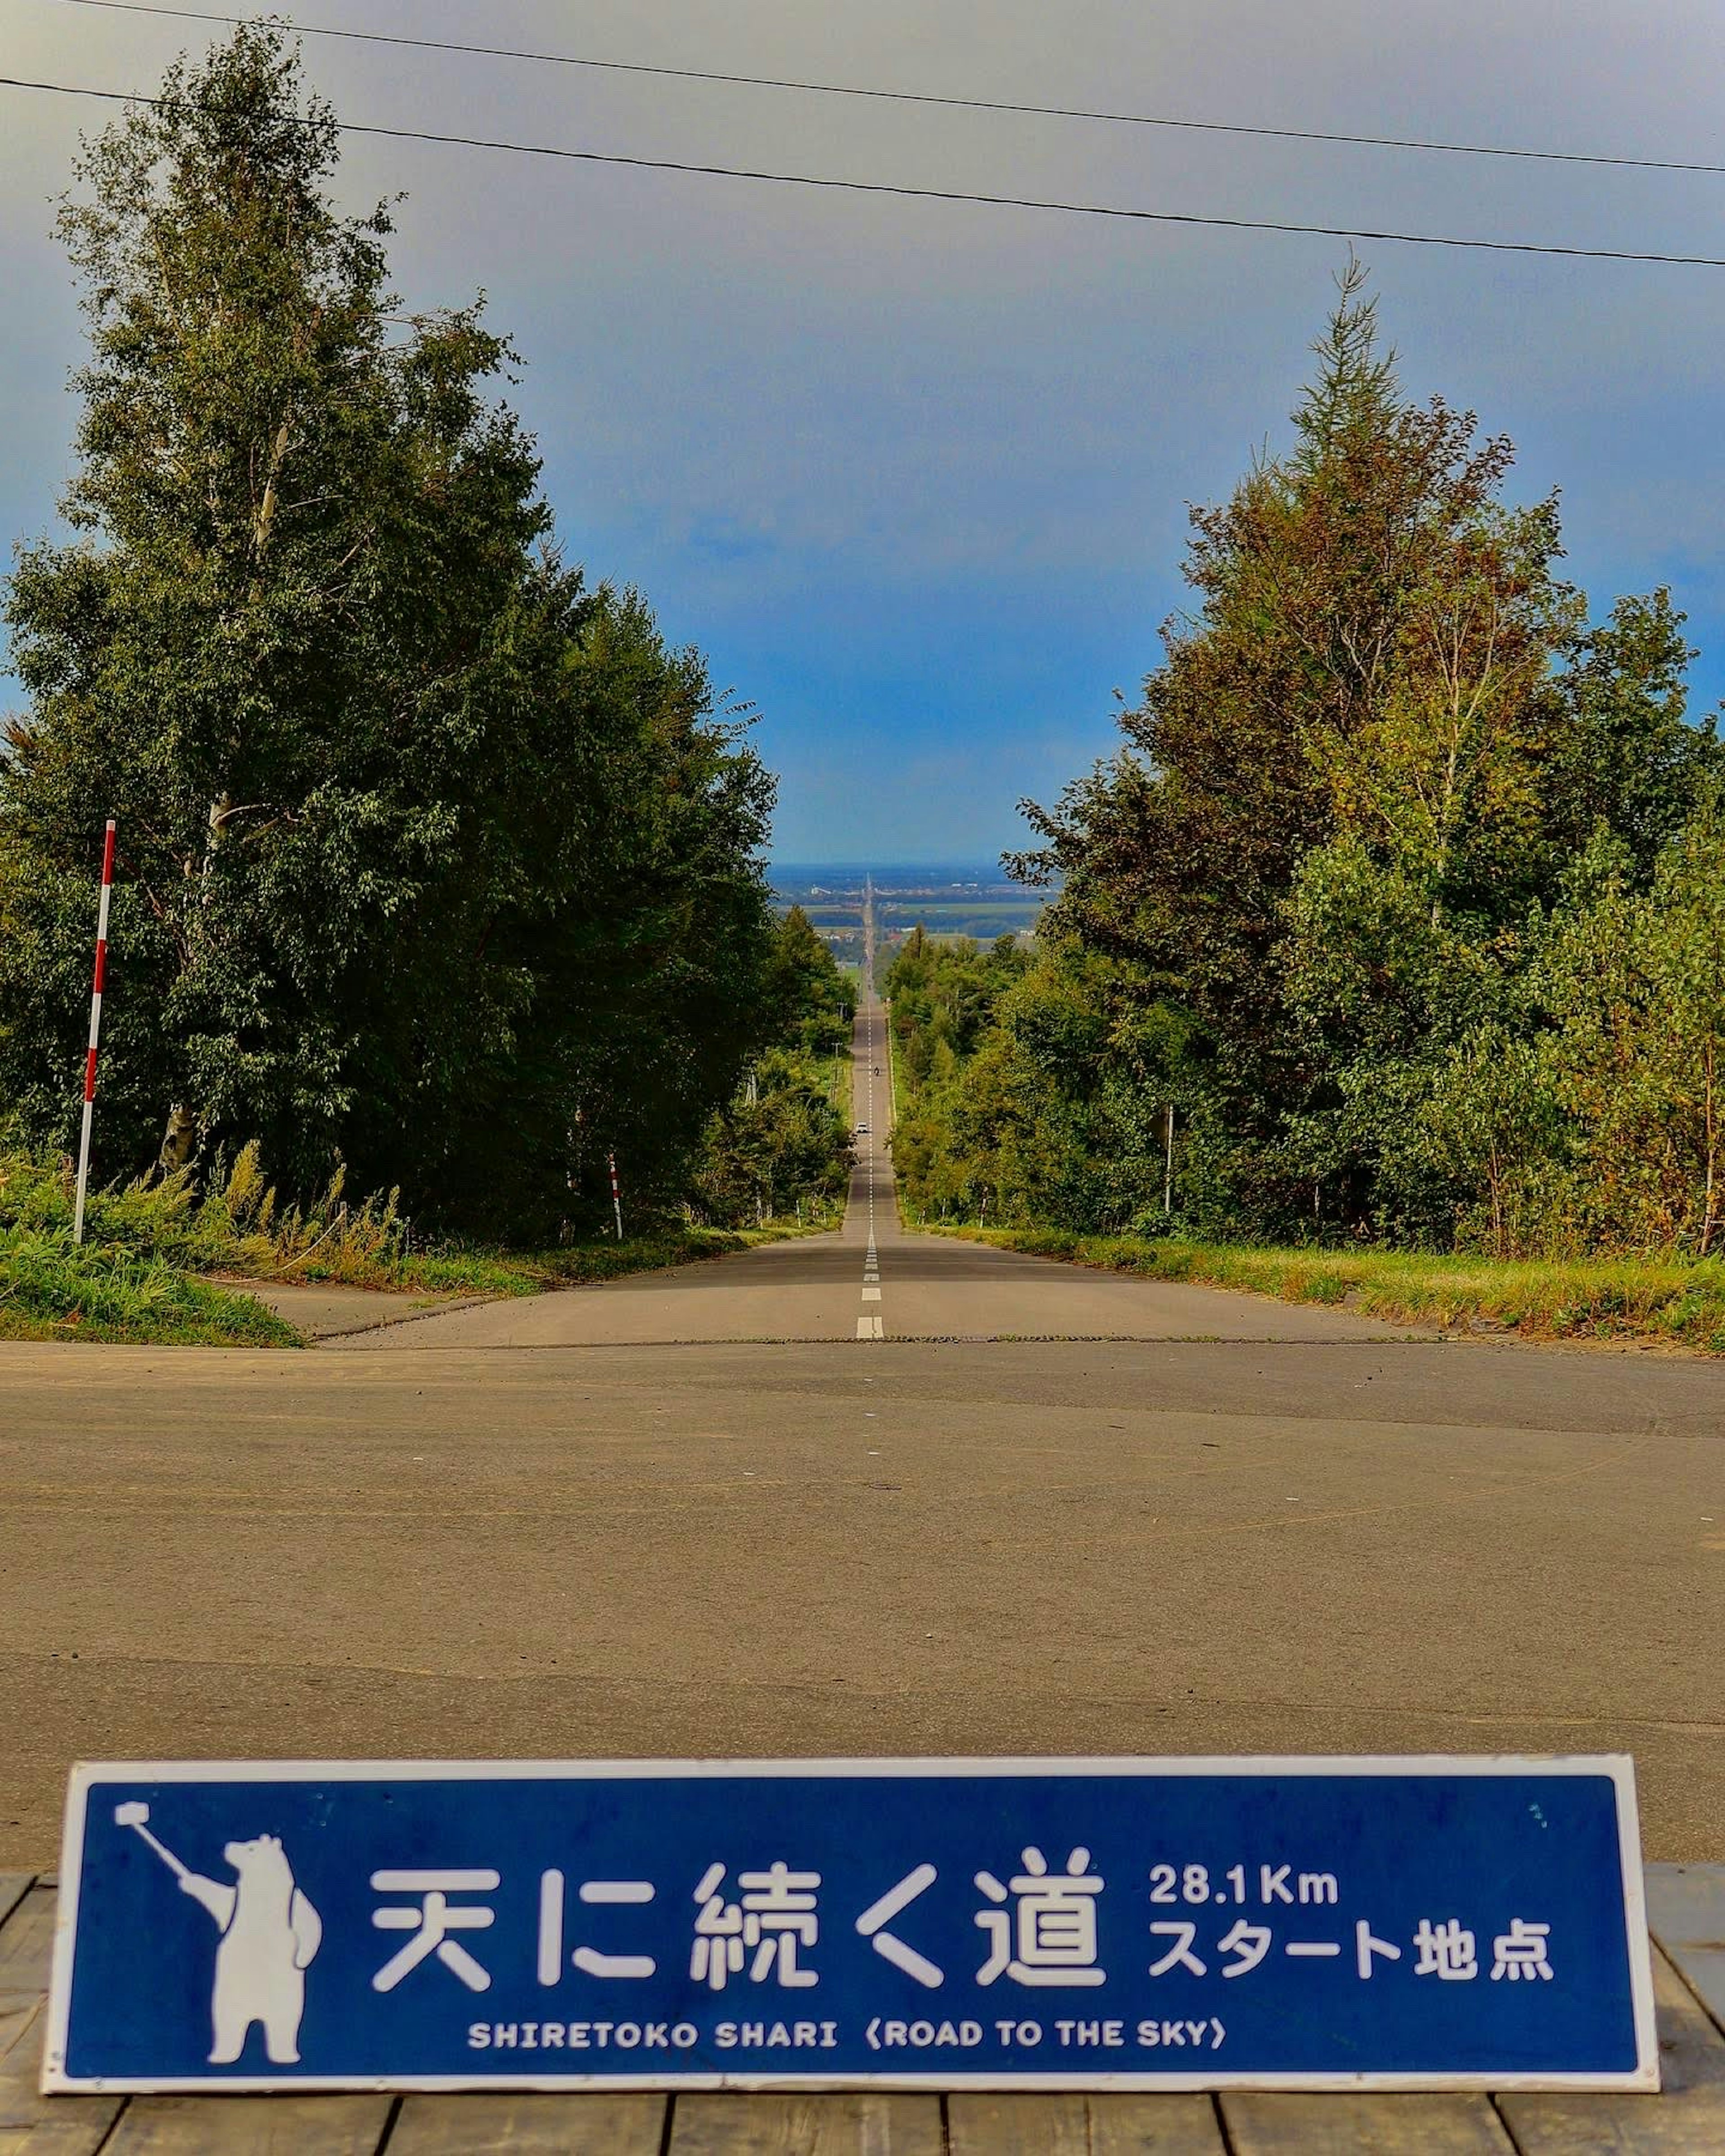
(808, 994)
(1626, 755)
(426, 849)
(1180, 853)
(1368, 750)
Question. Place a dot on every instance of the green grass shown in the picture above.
(51, 1289)
(1606, 1299)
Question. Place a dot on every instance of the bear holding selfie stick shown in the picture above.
(270, 1934)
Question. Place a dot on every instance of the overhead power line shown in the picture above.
(906, 192)
(918, 97)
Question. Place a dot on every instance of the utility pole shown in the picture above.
(1167, 1172)
(95, 1028)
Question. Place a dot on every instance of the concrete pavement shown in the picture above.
(1134, 1547)
(323, 1310)
(1303, 1534)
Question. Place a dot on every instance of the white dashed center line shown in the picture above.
(869, 1326)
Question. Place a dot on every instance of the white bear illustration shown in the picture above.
(269, 1934)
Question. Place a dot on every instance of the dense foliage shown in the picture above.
(783, 1145)
(432, 856)
(1403, 891)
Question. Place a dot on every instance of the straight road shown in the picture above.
(870, 1280)
(1225, 1526)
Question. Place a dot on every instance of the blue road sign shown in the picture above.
(1175, 1923)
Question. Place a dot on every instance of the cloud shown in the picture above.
(917, 473)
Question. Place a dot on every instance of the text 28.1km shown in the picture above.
(1276, 1883)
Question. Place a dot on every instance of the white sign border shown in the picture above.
(1618, 1767)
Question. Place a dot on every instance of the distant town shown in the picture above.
(948, 898)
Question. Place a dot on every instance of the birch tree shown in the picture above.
(430, 853)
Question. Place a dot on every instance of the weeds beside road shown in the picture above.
(50, 1290)
(1626, 1299)
(140, 1276)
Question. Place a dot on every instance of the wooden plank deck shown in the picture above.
(1687, 1911)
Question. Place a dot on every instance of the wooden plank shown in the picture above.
(51, 2126)
(1154, 2126)
(250, 2126)
(985, 2123)
(602, 2124)
(1266, 2122)
(1687, 2116)
(1065, 2123)
(55, 2136)
(1685, 1913)
(853, 2123)
(21, 2066)
(13, 1887)
(19, 2013)
(26, 1943)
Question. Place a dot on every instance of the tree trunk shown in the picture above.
(266, 511)
(181, 1135)
(178, 1139)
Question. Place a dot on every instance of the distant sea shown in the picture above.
(946, 898)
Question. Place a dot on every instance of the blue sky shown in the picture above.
(916, 476)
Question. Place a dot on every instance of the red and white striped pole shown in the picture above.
(616, 1200)
(95, 1028)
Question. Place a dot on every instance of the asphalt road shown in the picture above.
(1226, 1527)
(870, 1280)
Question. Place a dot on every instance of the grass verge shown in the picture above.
(52, 1290)
(142, 1275)
(1623, 1299)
